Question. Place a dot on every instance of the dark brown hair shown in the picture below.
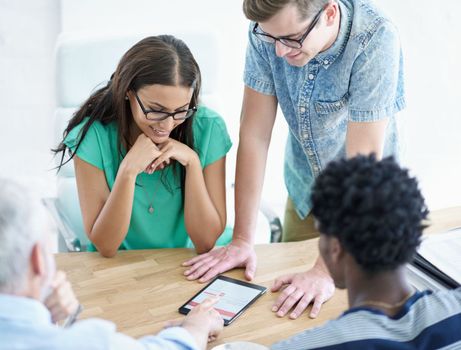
(163, 60)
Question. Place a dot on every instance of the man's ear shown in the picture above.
(37, 260)
(331, 11)
(336, 250)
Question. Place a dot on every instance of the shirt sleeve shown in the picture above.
(258, 73)
(219, 144)
(175, 338)
(213, 140)
(90, 149)
(376, 86)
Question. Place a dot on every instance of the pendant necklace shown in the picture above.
(150, 208)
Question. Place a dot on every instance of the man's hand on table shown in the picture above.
(301, 289)
(238, 253)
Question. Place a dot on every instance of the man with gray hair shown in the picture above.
(26, 263)
(335, 69)
(33, 296)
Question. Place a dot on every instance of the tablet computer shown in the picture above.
(235, 297)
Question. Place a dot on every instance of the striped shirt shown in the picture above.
(426, 321)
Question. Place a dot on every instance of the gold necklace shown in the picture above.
(385, 305)
(150, 208)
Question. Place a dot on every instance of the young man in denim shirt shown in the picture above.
(335, 69)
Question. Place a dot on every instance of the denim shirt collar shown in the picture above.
(327, 57)
(22, 309)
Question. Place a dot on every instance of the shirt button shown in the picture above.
(302, 110)
(311, 76)
(326, 62)
(305, 135)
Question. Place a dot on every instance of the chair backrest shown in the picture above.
(82, 64)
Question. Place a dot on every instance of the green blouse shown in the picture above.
(165, 227)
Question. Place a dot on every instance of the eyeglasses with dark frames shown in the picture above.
(152, 114)
(292, 43)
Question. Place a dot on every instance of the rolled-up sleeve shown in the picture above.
(258, 73)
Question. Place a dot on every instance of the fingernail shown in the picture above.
(293, 316)
(274, 308)
(187, 272)
(280, 314)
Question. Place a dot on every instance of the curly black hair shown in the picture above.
(374, 208)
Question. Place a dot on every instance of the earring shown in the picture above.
(126, 97)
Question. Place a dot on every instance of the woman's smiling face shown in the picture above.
(161, 98)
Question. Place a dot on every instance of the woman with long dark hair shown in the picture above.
(149, 160)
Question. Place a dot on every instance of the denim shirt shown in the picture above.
(358, 79)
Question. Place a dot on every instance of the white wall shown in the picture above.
(430, 33)
(28, 30)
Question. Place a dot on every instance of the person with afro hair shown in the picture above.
(371, 215)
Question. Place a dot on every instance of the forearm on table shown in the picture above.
(112, 223)
(249, 179)
(202, 219)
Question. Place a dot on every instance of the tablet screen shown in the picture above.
(235, 296)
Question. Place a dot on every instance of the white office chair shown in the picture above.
(83, 63)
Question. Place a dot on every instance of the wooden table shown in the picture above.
(140, 290)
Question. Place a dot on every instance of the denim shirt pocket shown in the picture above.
(331, 114)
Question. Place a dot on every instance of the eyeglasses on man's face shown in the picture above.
(292, 43)
(156, 115)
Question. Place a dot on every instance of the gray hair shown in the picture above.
(263, 10)
(23, 221)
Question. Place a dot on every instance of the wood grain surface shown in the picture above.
(140, 290)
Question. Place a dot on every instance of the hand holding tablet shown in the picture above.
(235, 296)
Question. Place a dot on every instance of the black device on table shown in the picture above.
(235, 296)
